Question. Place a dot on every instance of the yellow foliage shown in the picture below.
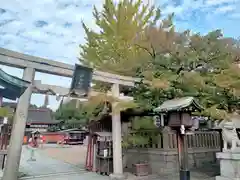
(122, 26)
(101, 97)
(118, 104)
(229, 78)
(193, 78)
(143, 123)
(4, 112)
(215, 113)
(160, 83)
(124, 105)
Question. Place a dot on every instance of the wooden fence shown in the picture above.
(168, 140)
(5, 136)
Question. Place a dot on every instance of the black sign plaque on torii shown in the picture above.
(81, 81)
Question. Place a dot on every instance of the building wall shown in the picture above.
(161, 154)
(167, 161)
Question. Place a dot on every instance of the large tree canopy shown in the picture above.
(135, 40)
(112, 49)
(185, 64)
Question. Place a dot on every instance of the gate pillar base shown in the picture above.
(118, 176)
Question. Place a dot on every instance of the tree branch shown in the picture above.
(152, 54)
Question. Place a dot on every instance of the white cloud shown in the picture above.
(219, 2)
(176, 10)
(37, 28)
(225, 9)
(52, 28)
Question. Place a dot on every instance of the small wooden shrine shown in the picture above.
(97, 130)
(179, 118)
(104, 153)
(179, 111)
(99, 154)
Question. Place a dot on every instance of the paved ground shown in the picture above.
(70, 176)
(43, 165)
(50, 168)
(75, 155)
(55, 163)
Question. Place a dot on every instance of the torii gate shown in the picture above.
(32, 64)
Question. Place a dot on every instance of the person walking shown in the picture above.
(41, 140)
(61, 141)
(44, 140)
(32, 145)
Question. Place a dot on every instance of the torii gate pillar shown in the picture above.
(116, 138)
(18, 129)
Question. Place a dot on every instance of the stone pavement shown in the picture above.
(67, 154)
(70, 176)
(43, 165)
(49, 167)
(94, 176)
(170, 177)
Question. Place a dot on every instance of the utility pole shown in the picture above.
(16, 140)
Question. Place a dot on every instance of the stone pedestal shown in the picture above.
(1, 160)
(118, 177)
(1, 173)
(229, 165)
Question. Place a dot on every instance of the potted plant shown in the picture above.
(136, 138)
(141, 168)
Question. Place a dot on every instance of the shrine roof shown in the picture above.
(12, 87)
(74, 130)
(178, 104)
(35, 115)
(103, 134)
(40, 115)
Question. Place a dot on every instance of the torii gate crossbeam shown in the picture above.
(31, 64)
(22, 61)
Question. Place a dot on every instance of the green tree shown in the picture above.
(133, 40)
(85, 112)
(113, 49)
(70, 115)
(184, 64)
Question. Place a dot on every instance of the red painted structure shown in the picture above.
(51, 137)
(5, 136)
(104, 124)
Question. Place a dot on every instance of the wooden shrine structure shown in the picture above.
(100, 138)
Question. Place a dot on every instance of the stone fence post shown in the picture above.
(229, 165)
(165, 138)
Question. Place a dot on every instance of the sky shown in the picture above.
(52, 28)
